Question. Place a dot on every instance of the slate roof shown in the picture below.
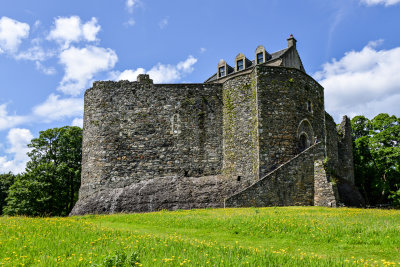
(274, 56)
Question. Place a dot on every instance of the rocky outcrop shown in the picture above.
(170, 193)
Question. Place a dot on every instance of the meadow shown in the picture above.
(277, 236)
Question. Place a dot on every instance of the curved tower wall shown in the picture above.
(290, 103)
(136, 131)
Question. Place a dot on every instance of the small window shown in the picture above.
(309, 107)
(239, 65)
(221, 71)
(260, 58)
(175, 124)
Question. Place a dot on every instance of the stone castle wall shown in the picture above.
(137, 131)
(283, 98)
(240, 137)
(291, 184)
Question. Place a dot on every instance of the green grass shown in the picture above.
(287, 236)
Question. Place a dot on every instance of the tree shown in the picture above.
(6, 180)
(51, 182)
(377, 157)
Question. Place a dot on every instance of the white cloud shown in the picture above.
(8, 121)
(131, 4)
(77, 122)
(35, 53)
(71, 29)
(163, 23)
(55, 108)
(202, 50)
(160, 73)
(90, 30)
(81, 64)
(45, 70)
(11, 34)
(130, 23)
(130, 75)
(365, 82)
(18, 140)
(380, 2)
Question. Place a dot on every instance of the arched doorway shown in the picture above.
(304, 144)
(304, 135)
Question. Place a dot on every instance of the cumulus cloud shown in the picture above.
(131, 4)
(380, 2)
(81, 64)
(362, 82)
(11, 34)
(8, 121)
(18, 139)
(70, 29)
(77, 122)
(161, 73)
(56, 108)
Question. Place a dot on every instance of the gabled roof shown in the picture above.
(274, 56)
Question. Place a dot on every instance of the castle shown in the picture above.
(255, 134)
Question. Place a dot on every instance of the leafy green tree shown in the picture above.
(51, 182)
(377, 157)
(6, 180)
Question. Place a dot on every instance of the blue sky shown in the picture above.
(51, 51)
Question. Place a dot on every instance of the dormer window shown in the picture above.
(242, 62)
(260, 58)
(261, 55)
(239, 65)
(221, 71)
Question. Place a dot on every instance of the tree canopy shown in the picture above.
(377, 157)
(51, 181)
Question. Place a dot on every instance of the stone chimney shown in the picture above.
(144, 78)
(291, 41)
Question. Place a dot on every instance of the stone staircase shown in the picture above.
(301, 181)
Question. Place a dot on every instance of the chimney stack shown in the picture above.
(291, 41)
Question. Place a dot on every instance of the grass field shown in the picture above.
(286, 236)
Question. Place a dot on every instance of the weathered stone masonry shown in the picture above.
(243, 139)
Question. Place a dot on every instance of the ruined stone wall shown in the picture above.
(240, 137)
(345, 150)
(325, 189)
(332, 153)
(290, 103)
(339, 148)
(290, 184)
(135, 132)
